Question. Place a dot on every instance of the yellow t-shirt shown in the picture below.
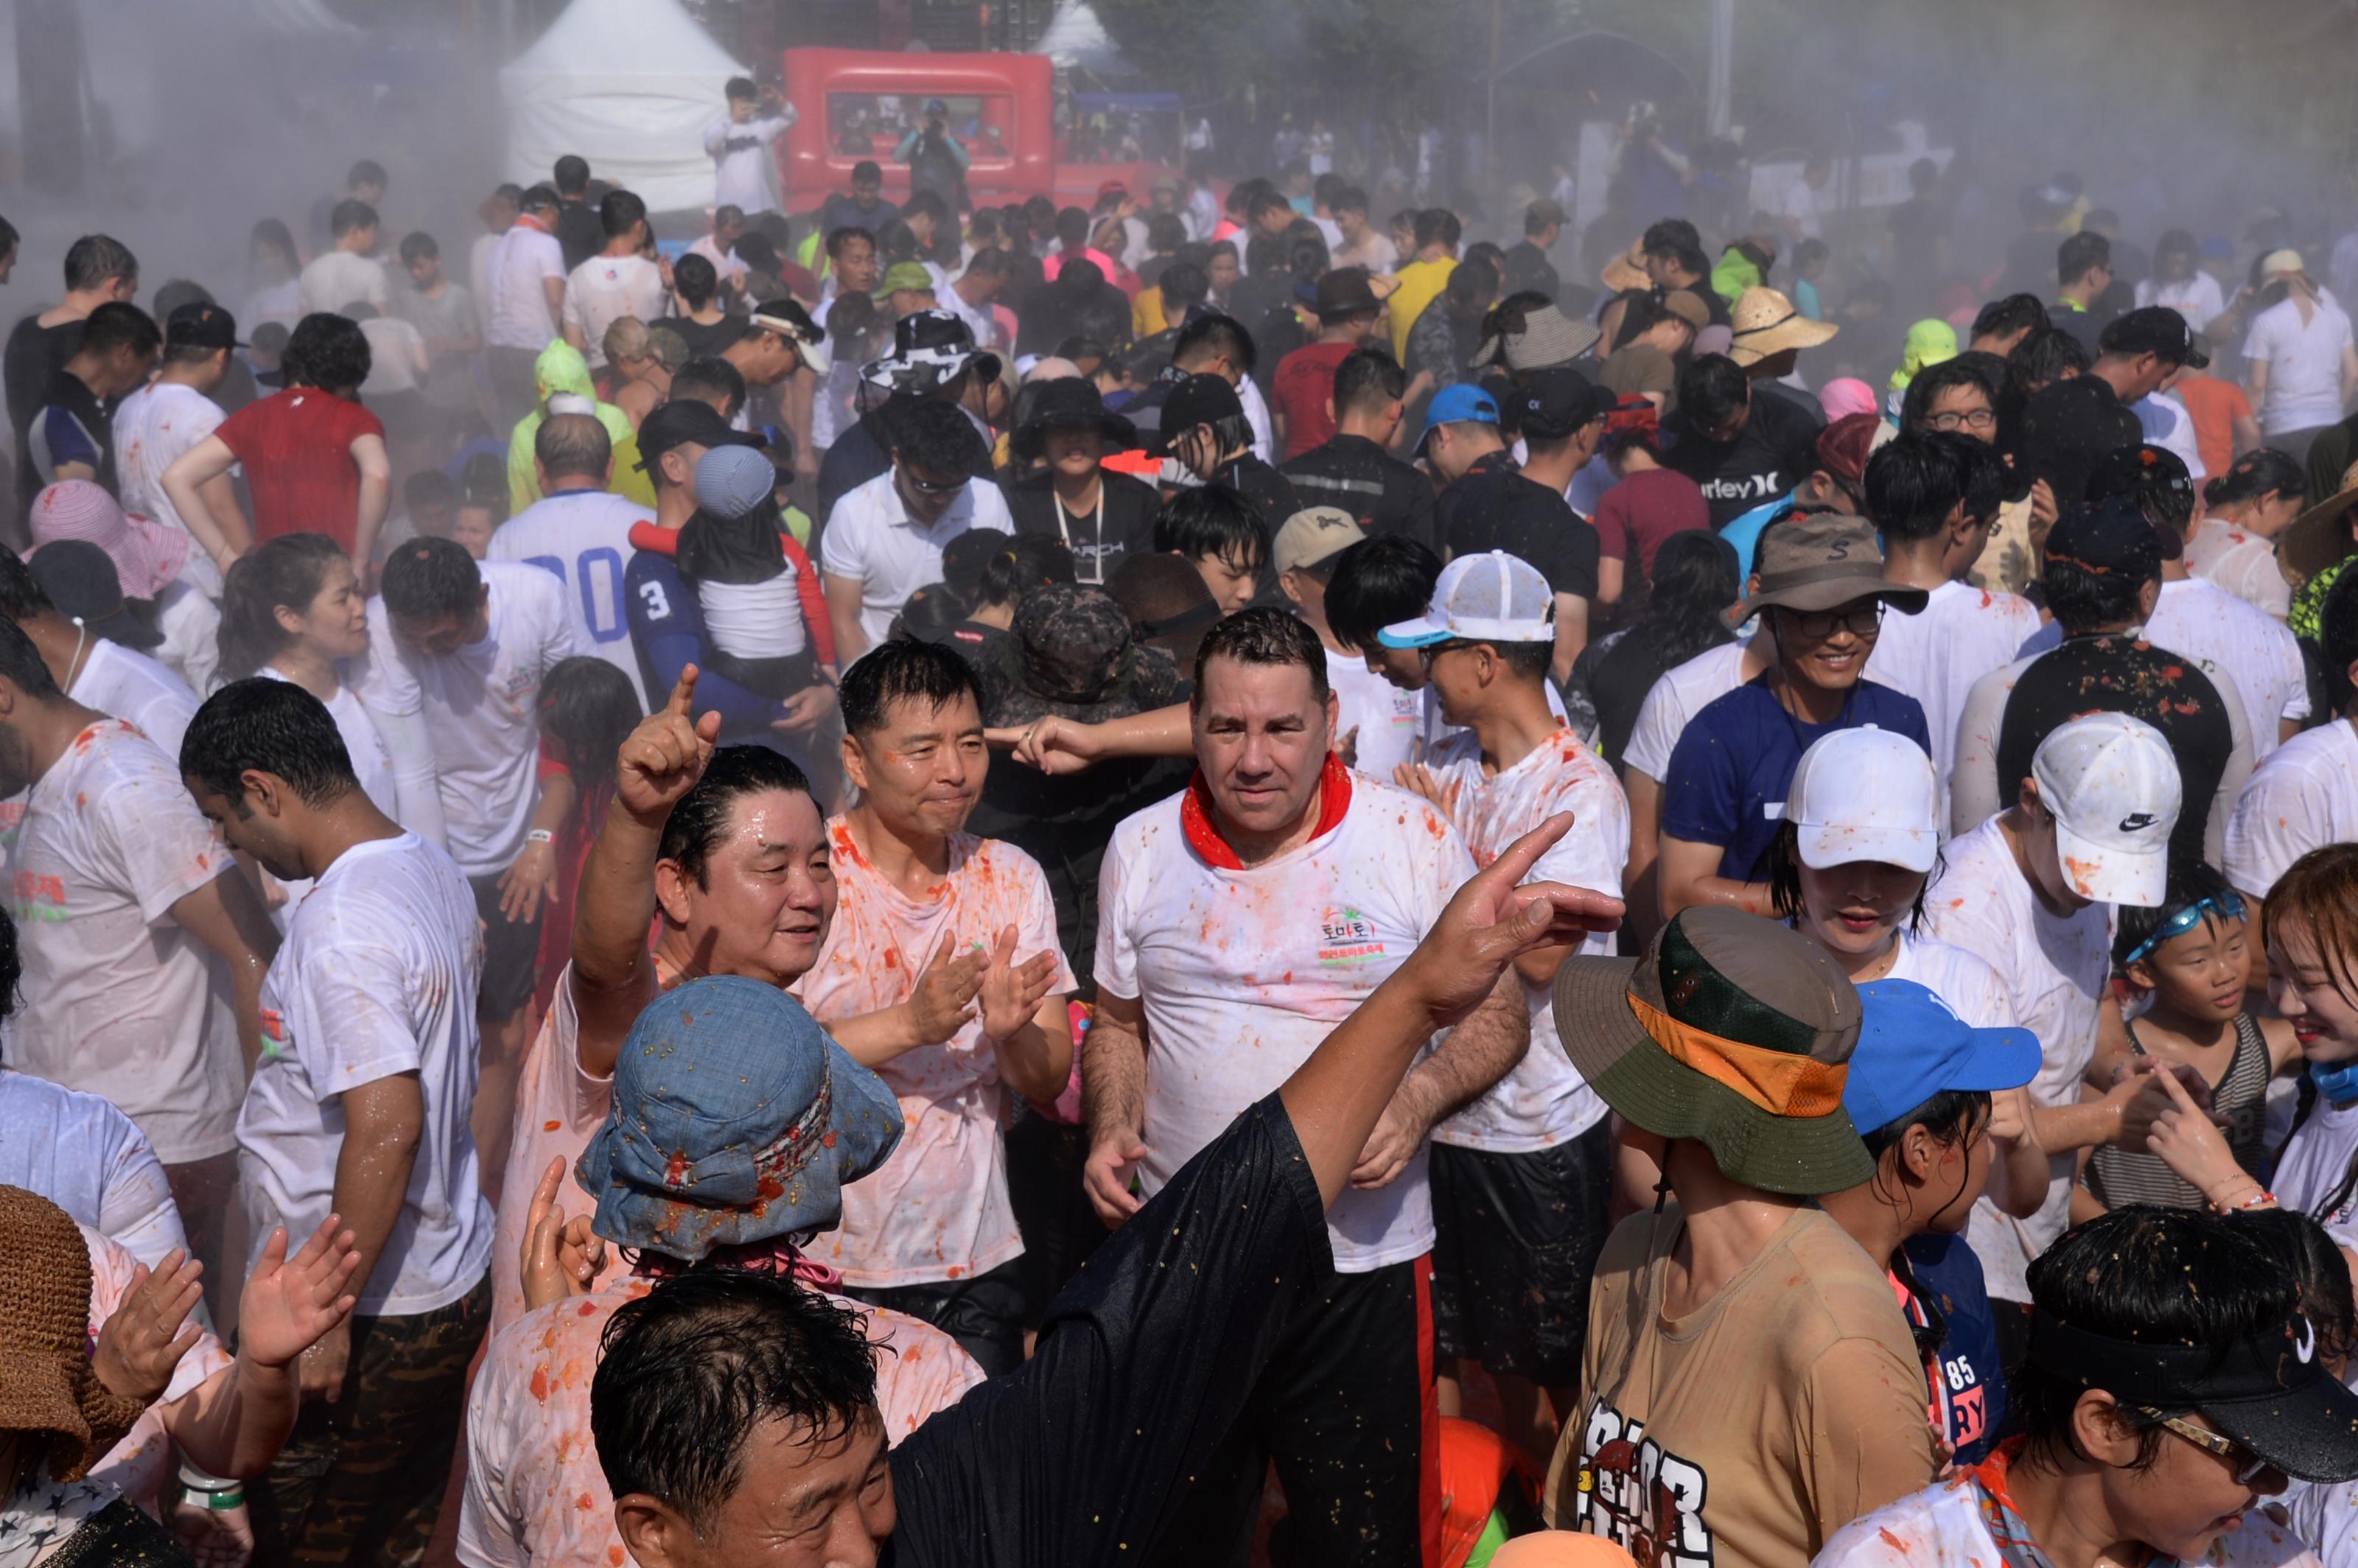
(1745, 1433)
(1146, 317)
(1419, 283)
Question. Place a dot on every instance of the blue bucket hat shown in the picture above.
(735, 1119)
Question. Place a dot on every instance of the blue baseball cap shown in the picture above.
(1911, 1045)
(735, 1119)
(1462, 403)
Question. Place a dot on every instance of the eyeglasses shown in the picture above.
(2228, 905)
(2247, 1467)
(933, 487)
(1859, 621)
(1971, 419)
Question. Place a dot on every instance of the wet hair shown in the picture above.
(2189, 884)
(1986, 372)
(1213, 520)
(621, 212)
(290, 569)
(1183, 283)
(936, 437)
(21, 595)
(263, 726)
(2156, 1276)
(2261, 471)
(2015, 313)
(2318, 897)
(1389, 578)
(699, 820)
(426, 580)
(1695, 577)
(590, 708)
(1211, 334)
(1528, 661)
(1471, 284)
(93, 259)
(707, 377)
(351, 216)
(982, 567)
(326, 351)
(687, 1373)
(119, 325)
(2080, 599)
(693, 280)
(573, 445)
(22, 666)
(2081, 253)
(902, 671)
(1913, 482)
(1711, 387)
(1780, 868)
(2046, 357)
(2304, 1250)
(1987, 478)
(418, 245)
(1367, 379)
(1266, 636)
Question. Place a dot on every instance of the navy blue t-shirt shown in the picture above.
(1970, 1380)
(1728, 774)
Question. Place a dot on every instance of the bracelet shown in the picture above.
(222, 1502)
(2259, 1198)
(540, 836)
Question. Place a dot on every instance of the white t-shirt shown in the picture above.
(192, 627)
(1962, 633)
(1243, 972)
(125, 684)
(394, 348)
(152, 427)
(724, 266)
(2303, 797)
(85, 1156)
(119, 999)
(337, 278)
(1545, 1101)
(522, 259)
(742, 174)
(377, 976)
(605, 290)
(2197, 298)
(2055, 970)
(2236, 559)
(582, 537)
(1963, 980)
(2166, 423)
(937, 1209)
(1256, 414)
(1802, 208)
(1385, 722)
(479, 708)
(1677, 696)
(871, 538)
(2314, 1162)
(371, 765)
(2304, 360)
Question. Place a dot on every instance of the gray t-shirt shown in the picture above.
(451, 382)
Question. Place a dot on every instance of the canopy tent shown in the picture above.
(628, 84)
(1076, 39)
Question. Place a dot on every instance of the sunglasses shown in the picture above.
(1863, 621)
(2228, 905)
(933, 487)
(2247, 1465)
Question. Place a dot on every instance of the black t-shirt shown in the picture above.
(96, 417)
(2066, 428)
(1774, 451)
(2121, 675)
(1120, 527)
(580, 232)
(2085, 324)
(705, 341)
(1085, 1453)
(1618, 672)
(1384, 493)
(35, 354)
(1528, 270)
(1269, 490)
(1493, 507)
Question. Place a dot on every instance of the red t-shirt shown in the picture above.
(296, 447)
(1304, 381)
(1636, 515)
(2214, 406)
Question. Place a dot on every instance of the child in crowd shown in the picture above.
(754, 584)
(2188, 960)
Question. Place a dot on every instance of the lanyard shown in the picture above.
(1096, 545)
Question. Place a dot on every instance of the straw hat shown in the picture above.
(1765, 323)
(1627, 270)
(47, 1385)
(2321, 535)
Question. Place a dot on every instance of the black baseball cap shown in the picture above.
(1552, 404)
(685, 421)
(201, 324)
(2108, 537)
(2153, 329)
(1204, 399)
(80, 578)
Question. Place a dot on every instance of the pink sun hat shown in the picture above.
(146, 553)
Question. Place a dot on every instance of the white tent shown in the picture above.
(628, 84)
(1076, 37)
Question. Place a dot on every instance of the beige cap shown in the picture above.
(1314, 534)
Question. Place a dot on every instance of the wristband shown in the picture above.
(222, 1502)
(196, 1480)
(540, 836)
(2259, 1198)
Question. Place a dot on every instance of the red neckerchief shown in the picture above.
(1203, 833)
(526, 220)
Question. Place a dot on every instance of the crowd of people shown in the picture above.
(926, 883)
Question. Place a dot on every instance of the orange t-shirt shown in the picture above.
(2214, 406)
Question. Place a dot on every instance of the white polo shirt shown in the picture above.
(871, 538)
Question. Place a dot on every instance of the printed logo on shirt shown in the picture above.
(1752, 487)
(40, 898)
(273, 1034)
(1346, 936)
(1634, 1493)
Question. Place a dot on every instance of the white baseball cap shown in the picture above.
(1866, 794)
(2113, 787)
(1492, 597)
